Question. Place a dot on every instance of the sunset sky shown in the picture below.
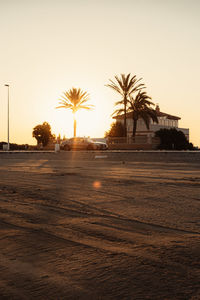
(50, 46)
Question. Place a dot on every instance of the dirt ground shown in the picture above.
(98, 229)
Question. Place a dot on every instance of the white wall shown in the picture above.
(163, 122)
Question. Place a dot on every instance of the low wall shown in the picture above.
(125, 146)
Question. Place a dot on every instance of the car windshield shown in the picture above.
(80, 140)
(89, 140)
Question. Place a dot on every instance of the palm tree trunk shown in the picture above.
(74, 125)
(134, 127)
(125, 129)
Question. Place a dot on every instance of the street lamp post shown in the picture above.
(8, 147)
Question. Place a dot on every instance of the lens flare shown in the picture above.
(97, 184)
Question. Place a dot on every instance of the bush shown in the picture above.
(42, 133)
(173, 139)
(15, 146)
(116, 130)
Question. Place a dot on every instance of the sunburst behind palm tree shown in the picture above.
(75, 99)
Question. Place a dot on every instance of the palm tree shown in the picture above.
(125, 86)
(75, 99)
(140, 106)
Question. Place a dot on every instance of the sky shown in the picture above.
(49, 46)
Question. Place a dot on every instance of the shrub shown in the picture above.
(173, 139)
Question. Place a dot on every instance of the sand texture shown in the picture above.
(98, 229)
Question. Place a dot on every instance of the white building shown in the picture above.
(164, 121)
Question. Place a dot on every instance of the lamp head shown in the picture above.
(6, 84)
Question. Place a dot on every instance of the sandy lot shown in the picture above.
(97, 228)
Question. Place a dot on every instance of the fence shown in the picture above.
(138, 142)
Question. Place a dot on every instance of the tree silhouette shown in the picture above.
(140, 106)
(125, 86)
(42, 133)
(75, 99)
(116, 130)
(173, 139)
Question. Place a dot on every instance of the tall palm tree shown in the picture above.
(75, 99)
(125, 86)
(140, 106)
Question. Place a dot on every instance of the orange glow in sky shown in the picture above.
(48, 47)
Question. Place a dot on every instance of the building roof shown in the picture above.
(162, 114)
(159, 114)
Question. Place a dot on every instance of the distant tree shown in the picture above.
(140, 106)
(43, 134)
(173, 139)
(58, 139)
(125, 86)
(15, 146)
(75, 99)
(116, 130)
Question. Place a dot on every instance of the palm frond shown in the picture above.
(114, 87)
(119, 102)
(140, 106)
(74, 99)
(125, 80)
(84, 96)
(137, 88)
(120, 82)
(88, 107)
(83, 101)
(62, 106)
(153, 115)
(146, 118)
(131, 83)
(125, 85)
(118, 112)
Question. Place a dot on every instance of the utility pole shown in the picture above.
(8, 146)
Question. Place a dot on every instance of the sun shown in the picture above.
(90, 123)
(87, 122)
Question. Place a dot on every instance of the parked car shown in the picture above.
(101, 145)
(80, 143)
